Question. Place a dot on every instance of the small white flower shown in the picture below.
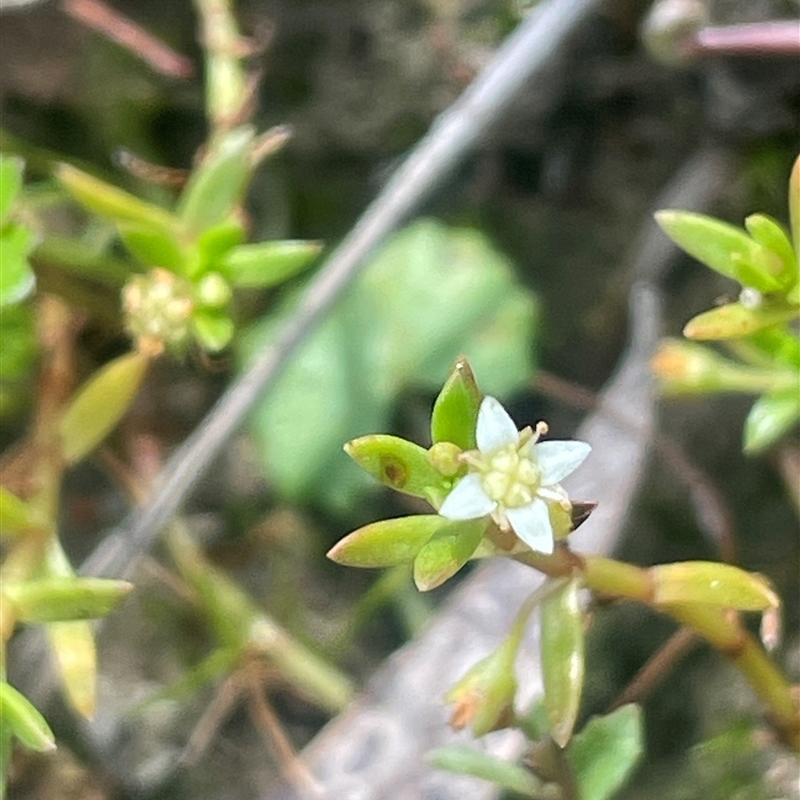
(513, 477)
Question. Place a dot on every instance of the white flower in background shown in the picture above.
(513, 477)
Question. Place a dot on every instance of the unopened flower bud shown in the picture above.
(213, 291)
(445, 457)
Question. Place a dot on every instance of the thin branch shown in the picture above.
(524, 55)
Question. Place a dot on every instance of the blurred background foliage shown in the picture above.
(549, 202)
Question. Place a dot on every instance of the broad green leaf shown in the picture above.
(446, 552)
(100, 404)
(463, 760)
(431, 294)
(212, 329)
(267, 263)
(711, 583)
(724, 248)
(19, 716)
(388, 542)
(605, 752)
(562, 656)
(733, 321)
(16, 276)
(109, 201)
(61, 599)
(16, 516)
(455, 412)
(400, 464)
(216, 186)
(770, 233)
(771, 416)
(11, 169)
(73, 644)
(153, 246)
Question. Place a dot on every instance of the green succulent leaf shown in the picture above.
(153, 246)
(455, 412)
(19, 716)
(73, 645)
(267, 264)
(771, 416)
(711, 583)
(109, 201)
(100, 404)
(387, 543)
(16, 516)
(794, 207)
(398, 463)
(11, 169)
(431, 294)
(606, 751)
(463, 760)
(769, 233)
(724, 248)
(562, 656)
(16, 276)
(212, 329)
(446, 552)
(61, 599)
(216, 187)
(214, 242)
(734, 321)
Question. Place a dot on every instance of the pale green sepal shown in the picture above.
(446, 552)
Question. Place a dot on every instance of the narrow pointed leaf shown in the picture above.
(387, 543)
(462, 760)
(604, 754)
(398, 463)
(214, 242)
(447, 552)
(723, 247)
(711, 583)
(267, 263)
(562, 657)
(108, 201)
(100, 404)
(61, 599)
(455, 412)
(16, 516)
(76, 659)
(16, 276)
(216, 187)
(21, 717)
(153, 246)
(771, 416)
(733, 321)
(770, 234)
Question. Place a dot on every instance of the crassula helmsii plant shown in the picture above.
(759, 330)
(495, 492)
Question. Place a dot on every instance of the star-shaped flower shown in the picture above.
(512, 477)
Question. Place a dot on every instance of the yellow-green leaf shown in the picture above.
(21, 717)
(76, 658)
(16, 516)
(733, 321)
(100, 404)
(61, 599)
(772, 416)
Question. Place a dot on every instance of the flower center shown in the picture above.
(509, 476)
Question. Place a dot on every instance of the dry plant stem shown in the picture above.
(126, 33)
(754, 39)
(651, 675)
(526, 52)
(720, 627)
(267, 722)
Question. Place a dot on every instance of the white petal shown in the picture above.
(531, 523)
(558, 459)
(495, 428)
(467, 500)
